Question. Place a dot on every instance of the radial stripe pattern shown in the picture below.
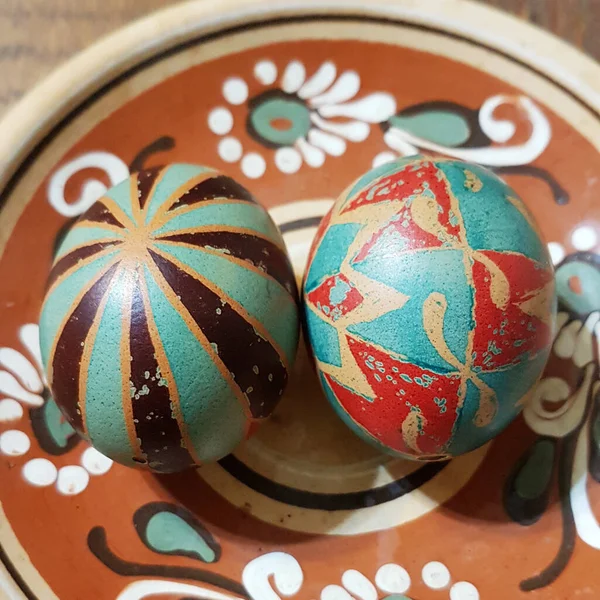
(171, 318)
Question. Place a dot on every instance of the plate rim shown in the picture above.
(25, 125)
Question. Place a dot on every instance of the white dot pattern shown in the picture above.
(584, 237)
(10, 410)
(392, 579)
(253, 165)
(95, 463)
(72, 480)
(220, 121)
(39, 472)
(230, 149)
(383, 158)
(557, 252)
(266, 72)
(435, 575)
(288, 160)
(235, 91)
(14, 443)
(463, 590)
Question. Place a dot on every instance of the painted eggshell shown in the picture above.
(171, 319)
(429, 305)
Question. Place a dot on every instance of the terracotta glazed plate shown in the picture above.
(295, 101)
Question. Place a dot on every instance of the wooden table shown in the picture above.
(37, 35)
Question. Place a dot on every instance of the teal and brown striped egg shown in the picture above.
(171, 321)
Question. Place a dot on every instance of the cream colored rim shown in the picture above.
(32, 118)
(28, 122)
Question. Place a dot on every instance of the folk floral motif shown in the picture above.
(168, 529)
(23, 384)
(301, 116)
(564, 412)
(474, 135)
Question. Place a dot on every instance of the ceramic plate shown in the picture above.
(295, 101)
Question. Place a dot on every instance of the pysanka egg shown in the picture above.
(429, 305)
(171, 320)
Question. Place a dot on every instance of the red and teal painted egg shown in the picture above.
(429, 306)
(170, 321)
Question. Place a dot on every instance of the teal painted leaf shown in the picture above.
(169, 529)
(439, 126)
(528, 488)
(53, 432)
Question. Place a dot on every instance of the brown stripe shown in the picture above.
(70, 259)
(155, 424)
(146, 180)
(84, 290)
(219, 187)
(175, 301)
(174, 196)
(258, 326)
(69, 349)
(129, 277)
(117, 211)
(252, 361)
(258, 252)
(88, 349)
(165, 367)
(99, 213)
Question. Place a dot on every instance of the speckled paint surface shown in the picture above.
(429, 306)
(170, 320)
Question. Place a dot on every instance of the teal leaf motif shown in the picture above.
(169, 529)
(527, 489)
(442, 127)
(53, 432)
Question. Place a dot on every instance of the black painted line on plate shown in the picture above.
(98, 546)
(330, 502)
(567, 543)
(103, 90)
(300, 224)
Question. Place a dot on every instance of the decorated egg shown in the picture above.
(170, 321)
(429, 306)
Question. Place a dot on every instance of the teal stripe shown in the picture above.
(105, 419)
(263, 298)
(60, 300)
(172, 179)
(214, 417)
(79, 235)
(249, 216)
(121, 194)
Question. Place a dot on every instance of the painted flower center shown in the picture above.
(281, 124)
(578, 285)
(279, 120)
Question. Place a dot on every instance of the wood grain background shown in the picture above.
(37, 35)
